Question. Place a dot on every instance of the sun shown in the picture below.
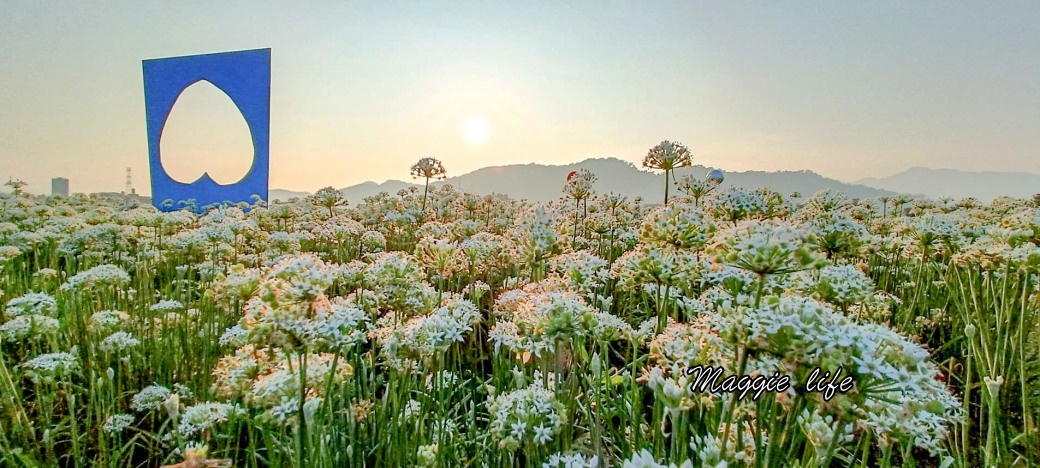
(476, 130)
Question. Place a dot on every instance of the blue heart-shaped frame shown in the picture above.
(245, 76)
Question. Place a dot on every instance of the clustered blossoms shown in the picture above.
(118, 342)
(836, 233)
(528, 416)
(98, 277)
(290, 319)
(149, 398)
(107, 320)
(291, 308)
(203, 417)
(841, 285)
(893, 374)
(678, 225)
(421, 338)
(398, 284)
(29, 316)
(534, 319)
(51, 367)
(679, 347)
(644, 459)
(571, 460)
(585, 272)
(646, 265)
(766, 248)
(116, 423)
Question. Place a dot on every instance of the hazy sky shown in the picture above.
(360, 91)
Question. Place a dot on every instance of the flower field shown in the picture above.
(449, 329)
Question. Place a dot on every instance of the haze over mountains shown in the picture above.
(540, 182)
(939, 183)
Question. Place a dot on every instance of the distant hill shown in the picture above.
(282, 195)
(541, 182)
(353, 193)
(938, 183)
(356, 193)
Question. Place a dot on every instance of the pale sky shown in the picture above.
(360, 91)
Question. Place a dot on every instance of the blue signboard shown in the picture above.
(245, 76)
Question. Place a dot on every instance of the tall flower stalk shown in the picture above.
(667, 156)
(428, 168)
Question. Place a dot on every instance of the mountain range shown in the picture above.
(541, 182)
(952, 183)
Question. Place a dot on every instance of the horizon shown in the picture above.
(413, 181)
(636, 164)
(847, 92)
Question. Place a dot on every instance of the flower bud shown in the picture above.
(173, 405)
(597, 366)
(993, 385)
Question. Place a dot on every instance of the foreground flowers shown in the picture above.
(482, 331)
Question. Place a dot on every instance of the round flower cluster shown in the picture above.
(116, 423)
(571, 460)
(265, 379)
(167, 305)
(530, 415)
(892, 374)
(932, 230)
(107, 320)
(276, 385)
(237, 284)
(836, 233)
(441, 256)
(424, 337)
(767, 248)
(202, 417)
(32, 304)
(679, 347)
(98, 277)
(25, 327)
(532, 320)
(29, 317)
(118, 342)
(149, 398)
(291, 308)
(841, 285)
(677, 225)
(735, 204)
(373, 241)
(51, 366)
(584, 270)
(399, 284)
(535, 237)
(656, 266)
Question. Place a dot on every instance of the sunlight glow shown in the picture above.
(476, 130)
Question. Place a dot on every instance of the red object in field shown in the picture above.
(571, 175)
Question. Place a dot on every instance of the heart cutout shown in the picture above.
(205, 133)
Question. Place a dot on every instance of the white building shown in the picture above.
(60, 186)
